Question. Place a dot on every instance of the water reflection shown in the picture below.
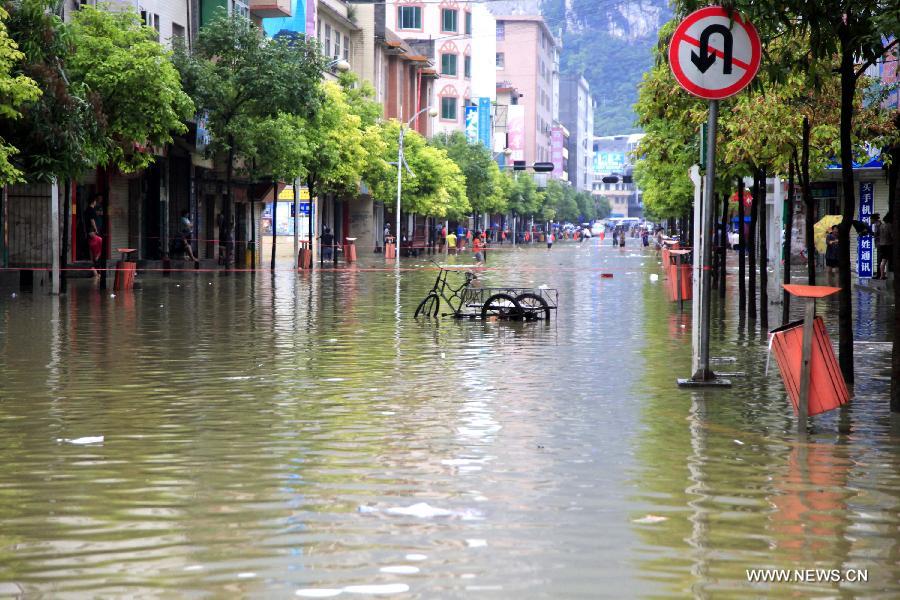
(268, 434)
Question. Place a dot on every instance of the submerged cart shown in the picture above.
(470, 300)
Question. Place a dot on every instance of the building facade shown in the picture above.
(613, 159)
(527, 59)
(576, 113)
(442, 33)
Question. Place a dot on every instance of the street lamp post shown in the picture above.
(400, 164)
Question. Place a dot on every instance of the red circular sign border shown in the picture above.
(696, 90)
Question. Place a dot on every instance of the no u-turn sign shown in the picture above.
(714, 53)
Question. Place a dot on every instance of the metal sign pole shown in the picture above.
(703, 372)
(703, 251)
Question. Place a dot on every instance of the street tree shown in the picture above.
(275, 150)
(60, 134)
(237, 76)
(15, 90)
(136, 86)
(478, 166)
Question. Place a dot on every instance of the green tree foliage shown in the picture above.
(15, 90)
(240, 79)
(137, 87)
(276, 148)
(437, 186)
(337, 153)
(61, 133)
(522, 195)
(481, 172)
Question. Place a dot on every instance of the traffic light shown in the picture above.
(627, 179)
(542, 167)
(611, 179)
(519, 165)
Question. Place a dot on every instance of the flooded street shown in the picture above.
(302, 435)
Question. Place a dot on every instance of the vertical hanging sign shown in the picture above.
(865, 251)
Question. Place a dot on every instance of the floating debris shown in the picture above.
(95, 439)
(651, 519)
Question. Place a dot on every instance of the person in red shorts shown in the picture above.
(95, 242)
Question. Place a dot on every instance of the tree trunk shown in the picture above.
(848, 207)
(763, 253)
(788, 238)
(810, 206)
(894, 208)
(274, 221)
(723, 240)
(228, 209)
(64, 249)
(742, 238)
(311, 183)
(751, 249)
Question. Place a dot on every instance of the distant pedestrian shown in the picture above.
(885, 246)
(451, 243)
(327, 239)
(622, 236)
(549, 240)
(442, 239)
(186, 233)
(91, 223)
(645, 237)
(387, 234)
(477, 245)
(832, 250)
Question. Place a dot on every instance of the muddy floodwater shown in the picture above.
(250, 435)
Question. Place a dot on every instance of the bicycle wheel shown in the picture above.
(534, 306)
(501, 306)
(428, 307)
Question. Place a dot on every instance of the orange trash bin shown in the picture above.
(827, 389)
(390, 249)
(350, 250)
(125, 270)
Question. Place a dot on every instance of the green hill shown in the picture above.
(609, 42)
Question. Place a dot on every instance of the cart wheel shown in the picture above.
(429, 307)
(534, 305)
(502, 306)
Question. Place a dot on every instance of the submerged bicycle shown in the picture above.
(470, 301)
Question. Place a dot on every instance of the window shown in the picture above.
(467, 67)
(410, 17)
(327, 39)
(468, 23)
(501, 31)
(448, 108)
(347, 47)
(239, 7)
(448, 20)
(448, 64)
(337, 44)
(501, 60)
(151, 20)
(319, 30)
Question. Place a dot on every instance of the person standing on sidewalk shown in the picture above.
(91, 224)
(885, 243)
(831, 251)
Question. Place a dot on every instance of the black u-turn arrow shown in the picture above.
(705, 59)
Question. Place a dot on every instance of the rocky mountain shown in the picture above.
(609, 42)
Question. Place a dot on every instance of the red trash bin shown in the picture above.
(827, 389)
